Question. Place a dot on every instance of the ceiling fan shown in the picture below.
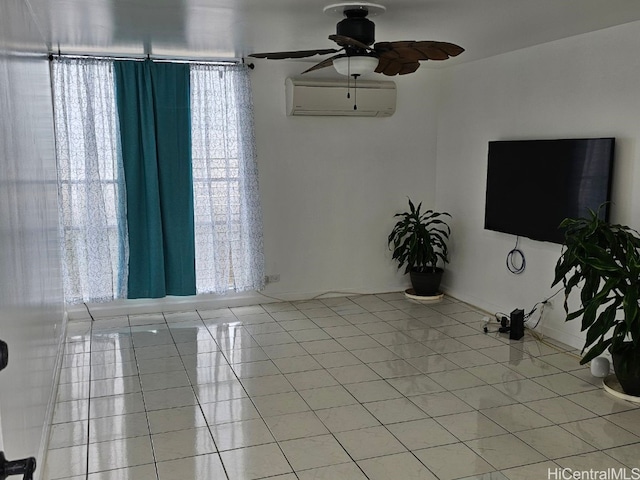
(359, 54)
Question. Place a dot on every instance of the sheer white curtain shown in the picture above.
(228, 217)
(90, 180)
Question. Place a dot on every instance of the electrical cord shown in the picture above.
(501, 318)
(535, 307)
(511, 260)
(329, 292)
(538, 336)
(89, 312)
(504, 318)
(539, 317)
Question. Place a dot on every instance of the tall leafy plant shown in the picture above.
(419, 240)
(604, 259)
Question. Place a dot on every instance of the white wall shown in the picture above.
(331, 185)
(31, 305)
(584, 86)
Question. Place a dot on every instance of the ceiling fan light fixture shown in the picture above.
(355, 64)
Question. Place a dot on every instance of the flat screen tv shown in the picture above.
(532, 185)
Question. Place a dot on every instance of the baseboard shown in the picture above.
(569, 339)
(563, 337)
(345, 292)
(201, 302)
(165, 304)
(51, 404)
(477, 303)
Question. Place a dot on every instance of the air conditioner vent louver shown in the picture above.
(329, 98)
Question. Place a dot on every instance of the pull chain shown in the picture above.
(355, 92)
(348, 77)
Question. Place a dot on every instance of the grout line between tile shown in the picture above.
(144, 401)
(344, 309)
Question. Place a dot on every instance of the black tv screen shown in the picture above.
(532, 185)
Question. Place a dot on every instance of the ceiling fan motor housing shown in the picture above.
(357, 26)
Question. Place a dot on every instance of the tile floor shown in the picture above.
(343, 388)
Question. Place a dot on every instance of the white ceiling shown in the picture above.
(215, 29)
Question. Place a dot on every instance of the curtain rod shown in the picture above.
(20, 54)
(155, 58)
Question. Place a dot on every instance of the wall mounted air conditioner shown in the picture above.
(329, 97)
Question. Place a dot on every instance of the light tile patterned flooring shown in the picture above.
(342, 388)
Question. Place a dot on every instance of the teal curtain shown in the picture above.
(153, 101)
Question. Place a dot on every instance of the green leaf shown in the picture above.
(602, 325)
(602, 261)
(574, 315)
(630, 306)
(596, 351)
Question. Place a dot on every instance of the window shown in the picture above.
(92, 187)
(227, 217)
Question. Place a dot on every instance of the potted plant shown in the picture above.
(419, 241)
(604, 261)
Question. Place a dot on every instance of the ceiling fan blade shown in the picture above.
(323, 64)
(422, 50)
(451, 48)
(391, 67)
(348, 42)
(437, 50)
(295, 54)
(409, 67)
